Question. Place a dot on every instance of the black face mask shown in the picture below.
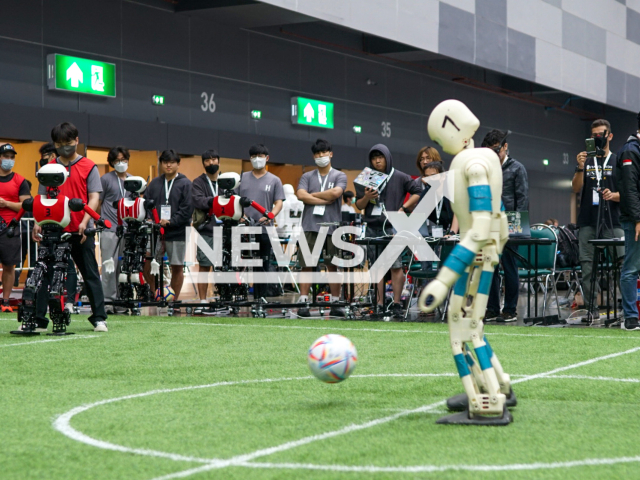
(43, 162)
(601, 140)
(212, 169)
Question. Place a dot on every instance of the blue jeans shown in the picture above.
(630, 269)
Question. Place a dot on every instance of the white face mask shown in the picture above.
(121, 167)
(323, 161)
(258, 162)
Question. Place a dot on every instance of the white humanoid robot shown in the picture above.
(291, 214)
(469, 268)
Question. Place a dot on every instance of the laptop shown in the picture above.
(519, 225)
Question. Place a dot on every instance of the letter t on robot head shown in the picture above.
(452, 126)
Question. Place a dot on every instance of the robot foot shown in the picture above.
(459, 403)
(463, 418)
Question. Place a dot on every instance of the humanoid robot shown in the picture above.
(53, 213)
(132, 216)
(290, 216)
(469, 268)
(229, 208)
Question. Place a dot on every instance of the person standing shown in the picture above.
(348, 201)
(374, 203)
(629, 188)
(205, 189)
(112, 191)
(171, 192)
(266, 189)
(596, 180)
(321, 191)
(515, 198)
(14, 190)
(84, 183)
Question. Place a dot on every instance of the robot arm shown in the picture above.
(77, 205)
(27, 206)
(257, 206)
(463, 255)
(151, 207)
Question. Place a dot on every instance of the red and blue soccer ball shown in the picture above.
(332, 358)
(167, 294)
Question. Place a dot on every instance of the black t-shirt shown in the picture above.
(588, 211)
(24, 186)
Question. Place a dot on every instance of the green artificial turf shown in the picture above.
(556, 420)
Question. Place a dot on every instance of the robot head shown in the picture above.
(288, 190)
(135, 184)
(452, 126)
(52, 175)
(229, 181)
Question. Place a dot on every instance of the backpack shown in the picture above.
(199, 218)
(568, 250)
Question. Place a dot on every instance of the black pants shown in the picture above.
(511, 284)
(84, 255)
(262, 289)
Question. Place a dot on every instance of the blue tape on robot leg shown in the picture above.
(459, 259)
(461, 285)
(485, 282)
(461, 364)
(489, 349)
(483, 357)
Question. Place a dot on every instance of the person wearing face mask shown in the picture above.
(84, 183)
(348, 201)
(515, 198)
(14, 189)
(266, 189)
(112, 191)
(390, 197)
(171, 192)
(596, 180)
(205, 189)
(320, 191)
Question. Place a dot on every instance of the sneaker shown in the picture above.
(176, 310)
(491, 315)
(336, 312)
(69, 307)
(6, 308)
(100, 327)
(397, 311)
(630, 324)
(507, 317)
(198, 311)
(304, 312)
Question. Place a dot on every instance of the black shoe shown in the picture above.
(507, 317)
(336, 312)
(304, 312)
(397, 311)
(630, 324)
(491, 315)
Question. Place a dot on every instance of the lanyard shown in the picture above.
(439, 210)
(167, 189)
(121, 186)
(598, 172)
(213, 190)
(322, 185)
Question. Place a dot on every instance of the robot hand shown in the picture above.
(119, 231)
(155, 267)
(108, 266)
(433, 295)
(245, 202)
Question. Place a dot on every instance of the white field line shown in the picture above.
(381, 330)
(70, 337)
(244, 460)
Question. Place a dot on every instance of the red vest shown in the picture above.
(51, 211)
(76, 187)
(9, 192)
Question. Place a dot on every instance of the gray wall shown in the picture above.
(180, 56)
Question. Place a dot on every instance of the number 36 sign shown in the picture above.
(208, 103)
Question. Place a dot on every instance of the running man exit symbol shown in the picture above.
(97, 78)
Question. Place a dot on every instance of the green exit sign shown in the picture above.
(256, 114)
(357, 129)
(314, 113)
(81, 75)
(157, 100)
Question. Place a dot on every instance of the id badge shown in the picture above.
(165, 212)
(596, 197)
(318, 209)
(437, 232)
(376, 211)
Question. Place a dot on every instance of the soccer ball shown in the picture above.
(332, 358)
(167, 294)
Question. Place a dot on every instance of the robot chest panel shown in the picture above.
(132, 209)
(228, 208)
(51, 211)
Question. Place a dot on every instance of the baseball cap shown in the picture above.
(7, 147)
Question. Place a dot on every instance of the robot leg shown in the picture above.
(27, 308)
(59, 316)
